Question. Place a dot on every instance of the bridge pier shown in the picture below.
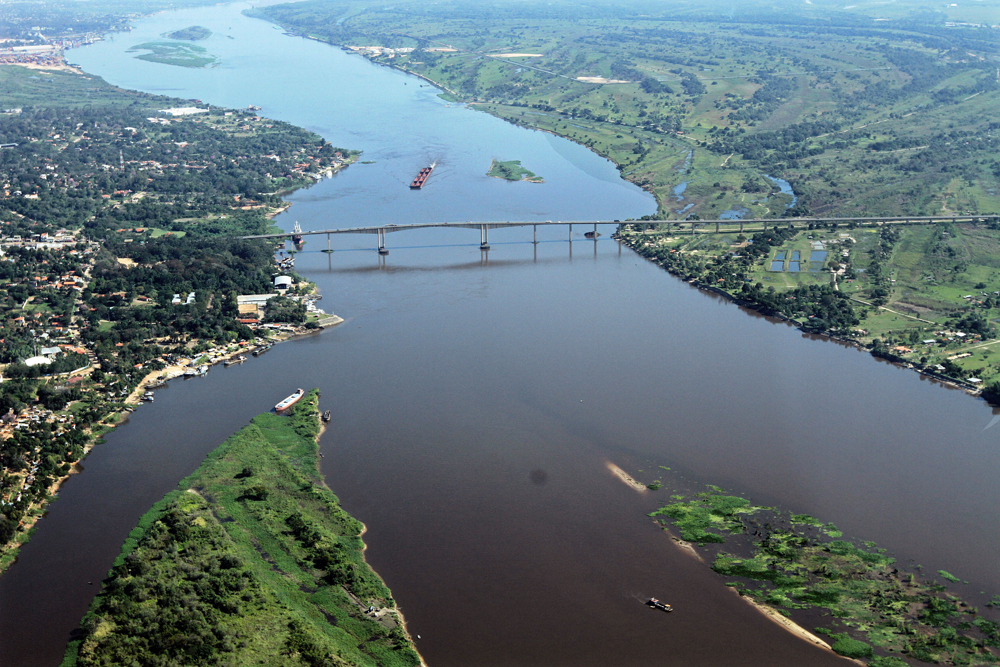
(741, 226)
(716, 226)
(329, 248)
(381, 242)
(535, 230)
(484, 237)
(570, 239)
(595, 231)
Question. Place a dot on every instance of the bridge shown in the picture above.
(719, 226)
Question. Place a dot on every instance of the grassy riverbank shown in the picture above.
(923, 295)
(799, 566)
(250, 560)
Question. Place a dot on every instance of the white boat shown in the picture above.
(290, 401)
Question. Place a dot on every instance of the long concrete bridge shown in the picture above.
(693, 226)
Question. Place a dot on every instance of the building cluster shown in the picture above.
(51, 240)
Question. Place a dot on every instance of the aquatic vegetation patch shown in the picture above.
(512, 170)
(795, 562)
(174, 53)
(701, 518)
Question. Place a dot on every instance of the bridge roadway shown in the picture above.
(695, 226)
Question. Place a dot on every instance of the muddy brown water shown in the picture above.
(478, 397)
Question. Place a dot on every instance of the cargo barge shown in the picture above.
(421, 178)
(297, 235)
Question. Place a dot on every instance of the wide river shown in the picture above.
(478, 397)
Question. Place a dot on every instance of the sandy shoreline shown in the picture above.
(785, 622)
(625, 477)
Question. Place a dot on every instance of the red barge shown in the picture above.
(421, 178)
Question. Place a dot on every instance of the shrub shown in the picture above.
(852, 648)
(887, 661)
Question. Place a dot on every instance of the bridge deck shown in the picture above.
(721, 226)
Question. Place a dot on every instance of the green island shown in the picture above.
(798, 565)
(250, 561)
(123, 265)
(191, 33)
(172, 53)
(512, 170)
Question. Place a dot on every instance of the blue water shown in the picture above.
(401, 127)
(793, 267)
(679, 191)
(786, 189)
(780, 255)
(734, 214)
(795, 256)
(777, 265)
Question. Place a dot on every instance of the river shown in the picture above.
(477, 398)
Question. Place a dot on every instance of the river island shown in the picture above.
(250, 560)
(512, 170)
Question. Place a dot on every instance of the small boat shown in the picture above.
(203, 369)
(290, 401)
(238, 360)
(591, 235)
(656, 604)
(190, 373)
(261, 350)
(327, 416)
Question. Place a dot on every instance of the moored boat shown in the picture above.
(290, 401)
(327, 416)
